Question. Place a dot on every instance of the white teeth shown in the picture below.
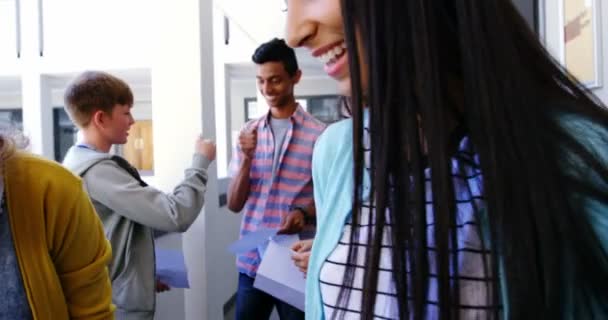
(332, 53)
(327, 56)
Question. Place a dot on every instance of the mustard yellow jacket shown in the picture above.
(59, 241)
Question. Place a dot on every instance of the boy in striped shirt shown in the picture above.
(271, 172)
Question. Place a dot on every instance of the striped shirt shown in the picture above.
(272, 196)
(467, 178)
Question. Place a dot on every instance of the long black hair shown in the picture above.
(513, 95)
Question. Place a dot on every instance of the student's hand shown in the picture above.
(206, 148)
(248, 139)
(302, 245)
(292, 223)
(161, 286)
(301, 254)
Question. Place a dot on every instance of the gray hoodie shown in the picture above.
(129, 213)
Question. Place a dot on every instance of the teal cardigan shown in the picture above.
(332, 168)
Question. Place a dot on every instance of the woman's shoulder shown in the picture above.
(334, 141)
(36, 171)
(337, 133)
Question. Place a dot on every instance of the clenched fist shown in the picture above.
(205, 147)
(248, 139)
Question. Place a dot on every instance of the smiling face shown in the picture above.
(114, 127)
(275, 84)
(318, 26)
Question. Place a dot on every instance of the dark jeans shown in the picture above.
(253, 304)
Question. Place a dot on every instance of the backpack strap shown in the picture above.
(124, 164)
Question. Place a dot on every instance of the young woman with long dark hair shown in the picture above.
(472, 179)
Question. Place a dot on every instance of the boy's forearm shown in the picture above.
(238, 191)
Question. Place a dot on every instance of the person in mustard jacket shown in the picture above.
(53, 252)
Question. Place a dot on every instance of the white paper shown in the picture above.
(171, 268)
(252, 240)
(278, 275)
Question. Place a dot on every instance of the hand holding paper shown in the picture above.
(302, 245)
(301, 254)
(293, 222)
(161, 286)
(171, 268)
